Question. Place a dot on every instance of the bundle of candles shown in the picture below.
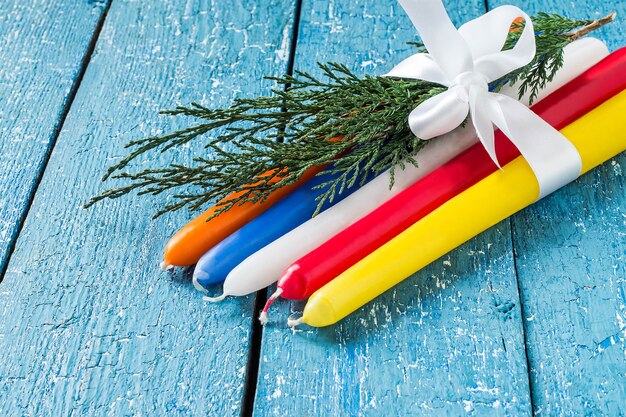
(373, 237)
(465, 180)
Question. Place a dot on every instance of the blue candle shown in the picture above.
(284, 216)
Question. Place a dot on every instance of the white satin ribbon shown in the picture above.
(466, 61)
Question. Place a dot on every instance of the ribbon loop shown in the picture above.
(490, 32)
(446, 45)
(466, 61)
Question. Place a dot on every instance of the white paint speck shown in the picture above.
(468, 406)
(617, 168)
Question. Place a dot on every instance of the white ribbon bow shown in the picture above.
(466, 61)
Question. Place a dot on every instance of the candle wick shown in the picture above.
(263, 317)
(215, 299)
(197, 285)
(294, 322)
(165, 266)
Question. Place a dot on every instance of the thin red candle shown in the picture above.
(317, 268)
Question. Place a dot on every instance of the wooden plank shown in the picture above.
(570, 253)
(88, 324)
(449, 340)
(42, 47)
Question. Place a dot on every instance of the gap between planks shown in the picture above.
(519, 292)
(256, 338)
(522, 314)
(520, 299)
(57, 131)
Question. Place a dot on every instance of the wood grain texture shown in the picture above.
(42, 47)
(447, 341)
(571, 254)
(88, 324)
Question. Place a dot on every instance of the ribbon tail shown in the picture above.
(419, 67)
(555, 161)
(482, 123)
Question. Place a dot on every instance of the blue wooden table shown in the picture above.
(527, 318)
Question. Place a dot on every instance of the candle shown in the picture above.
(256, 272)
(200, 235)
(291, 211)
(598, 136)
(321, 265)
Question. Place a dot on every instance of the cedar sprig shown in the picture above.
(265, 143)
(553, 33)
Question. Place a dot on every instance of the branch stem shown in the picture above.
(595, 25)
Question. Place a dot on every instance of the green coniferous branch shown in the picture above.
(297, 128)
(552, 36)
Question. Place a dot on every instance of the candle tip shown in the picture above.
(215, 299)
(263, 318)
(196, 283)
(294, 322)
(268, 304)
(165, 266)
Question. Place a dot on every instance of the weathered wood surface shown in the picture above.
(449, 340)
(570, 256)
(88, 324)
(42, 47)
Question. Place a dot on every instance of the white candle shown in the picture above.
(264, 267)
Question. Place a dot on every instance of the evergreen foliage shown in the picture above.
(353, 125)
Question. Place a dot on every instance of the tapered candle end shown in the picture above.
(263, 318)
(165, 266)
(295, 322)
(197, 284)
(215, 299)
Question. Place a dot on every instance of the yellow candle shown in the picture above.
(598, 136)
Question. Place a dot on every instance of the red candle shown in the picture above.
(562, 107)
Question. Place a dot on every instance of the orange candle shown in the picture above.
(200, 235)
